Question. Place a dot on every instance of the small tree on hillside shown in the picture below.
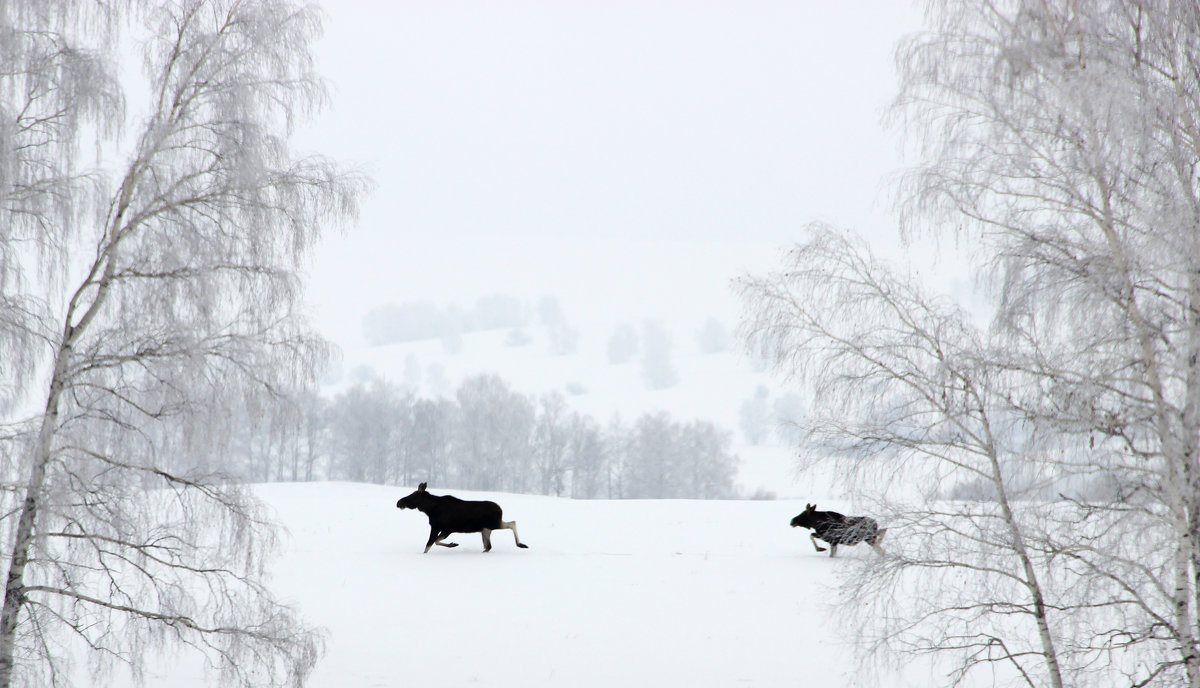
(622, 344)
(713, 337)
(754, 417)
(658, 371)
(787, 417)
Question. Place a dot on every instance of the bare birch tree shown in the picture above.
(904, 388)
(1071, 151)
(1062, 140)
(151, 297)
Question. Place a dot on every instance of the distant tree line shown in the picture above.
(487, 437)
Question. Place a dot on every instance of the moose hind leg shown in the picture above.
(487, 539)
(833, 549)
(512, 525)
(875, 542)
(813, 537)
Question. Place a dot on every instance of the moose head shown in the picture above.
(806, 518)
(414, 500)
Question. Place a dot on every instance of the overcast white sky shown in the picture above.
(629, 157)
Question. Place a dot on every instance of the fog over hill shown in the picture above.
(619, 371)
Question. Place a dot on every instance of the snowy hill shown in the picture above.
(710, 386)
(610, 593)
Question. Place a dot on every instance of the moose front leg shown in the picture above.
(436, 537)
(813, 537)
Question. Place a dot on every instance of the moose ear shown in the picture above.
(810, 507)
(422, 486)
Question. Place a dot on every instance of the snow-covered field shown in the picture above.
(610, 593)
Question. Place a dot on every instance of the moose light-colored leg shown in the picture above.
(878, 539)
(438, 541)
(813, 537)
(487, 539)
(512, 525)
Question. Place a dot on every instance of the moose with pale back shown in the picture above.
(837, 529)
(449, 514)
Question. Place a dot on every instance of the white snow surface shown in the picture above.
(609, 593)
